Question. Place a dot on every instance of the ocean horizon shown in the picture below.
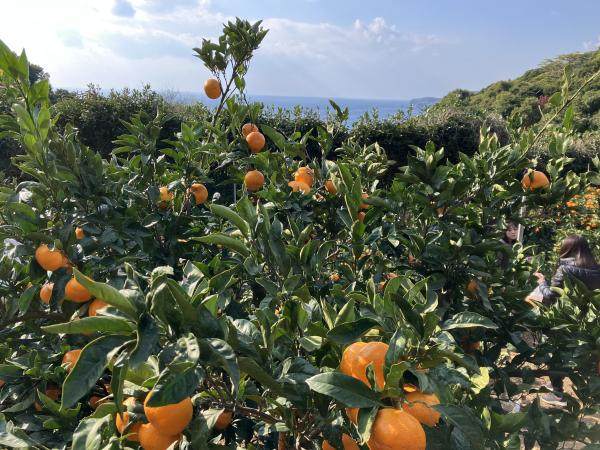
(356, 107)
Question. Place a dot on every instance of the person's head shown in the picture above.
(577, 247)
(511, 233)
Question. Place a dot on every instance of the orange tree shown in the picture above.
(266, 299)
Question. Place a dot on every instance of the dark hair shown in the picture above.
(577, 247)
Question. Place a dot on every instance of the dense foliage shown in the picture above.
(453, 124)
(324, 309)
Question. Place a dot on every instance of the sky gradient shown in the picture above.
(383, 49)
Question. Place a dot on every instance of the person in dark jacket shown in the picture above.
(511, 234)
(576, 262)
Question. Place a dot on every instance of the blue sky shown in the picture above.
(394, 49)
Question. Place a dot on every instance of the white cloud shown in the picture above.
(592, 45)
(128, 43)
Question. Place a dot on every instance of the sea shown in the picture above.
(320, 105)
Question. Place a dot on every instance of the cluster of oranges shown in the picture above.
(394, 428)
(584, 208)
(164, 423)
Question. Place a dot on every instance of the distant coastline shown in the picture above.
(357, 107)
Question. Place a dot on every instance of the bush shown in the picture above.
(295, 313)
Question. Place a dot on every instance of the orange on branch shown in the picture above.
(46, 292)
(304, 175)
(212, 88)
(79, 233)
(395, 429)
(152, 439)
(96, 305)
(200, 193)
(364, 205)
(299, 186)
(50, 260)
(248, 128)
(330, 187)
(70, 358)
(418, 405)
(165, 194)
(122, 421)
(254, 180)
(534, 179)
(170, 419)
(76, 292)
(256, 141)
(359, 355)
(361, 216)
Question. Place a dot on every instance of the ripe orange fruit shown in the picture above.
(330, 187)
(212, 88)
(95, 306)
(152, 439)
(165, 194)
(200, 193)
(224, 420)
(50, 260)
(304, 175)
(122, 420)
(534, 179)
(361, 216)
(1, 383)
(364, 205)
(46, 293)
(419, 406)
(472, 287)
(70, 358)
(79, 233)
(170, 419)
(359, 355)
(254, 180)
(255, 141)
(335, 277)
(76, 292)
(299, 186)
(347, 441)
(248, 128)
(395, 429)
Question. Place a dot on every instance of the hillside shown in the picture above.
(522, 94)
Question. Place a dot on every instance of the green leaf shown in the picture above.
(347, 390)
(232, 216)
(257, 373)
(90, 366)
(95, 324)
(222, 354)
(464, 419)
(88, 434)
(177, 382)
(468, 320)
(349, 332)
(147, 339)
(226, 241)
(108, 294)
